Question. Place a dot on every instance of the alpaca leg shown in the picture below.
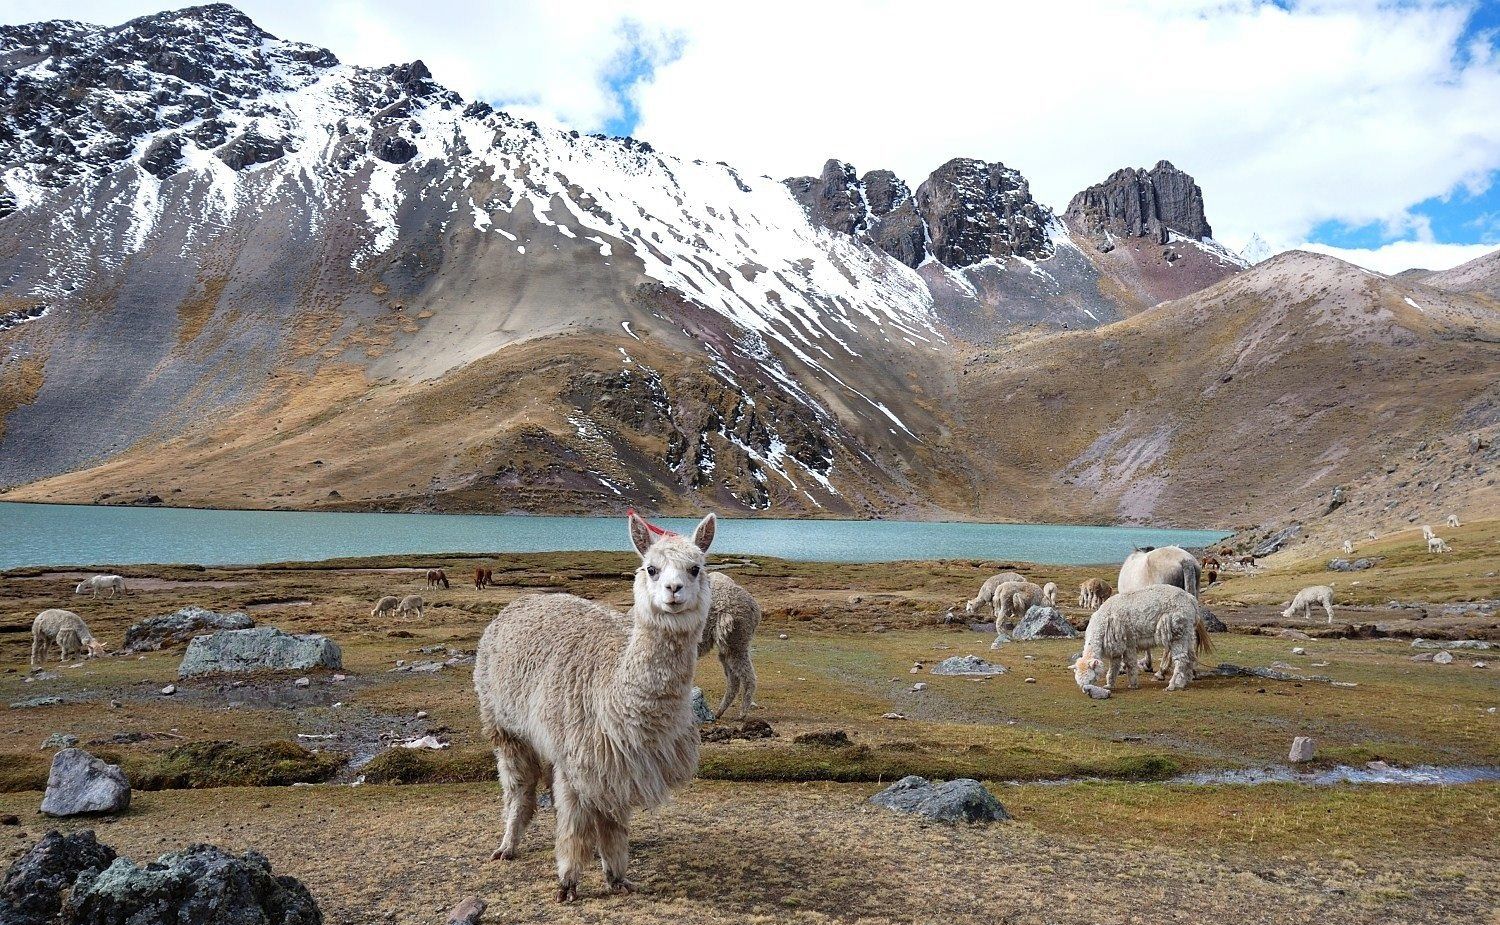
(731, 689)
(1329, 608)
(1112, 672)
(520, 773)
(747, 686)
(575, 826)
(1134, 668)
(1181, 653)
(614, 851)
(38, 650)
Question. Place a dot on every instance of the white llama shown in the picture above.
(600, 698)
(66, 630)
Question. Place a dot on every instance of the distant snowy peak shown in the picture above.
(1256, 250)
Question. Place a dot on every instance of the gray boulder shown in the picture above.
(1212, 621)
(1420, 643)
(264, 648)
(60, 740)
(701, 710)
(1303, 749)
(79, 783)
(33, 888)
(1276, 540)
(967, 665)
(202, 885)
(176, 628)
(962, 800)
(1353, 565)
(1041, 623)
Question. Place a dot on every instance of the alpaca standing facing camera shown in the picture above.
(600, 699)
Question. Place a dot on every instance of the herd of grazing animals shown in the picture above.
(596, 705)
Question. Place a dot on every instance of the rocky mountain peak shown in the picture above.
(1141, 203)
(976, 210)
(834, 199)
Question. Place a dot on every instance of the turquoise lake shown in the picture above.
(57, 535)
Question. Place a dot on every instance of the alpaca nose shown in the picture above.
(675, 587)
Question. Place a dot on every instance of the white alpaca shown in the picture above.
(66, 630)
(986, 593)
(733, 616)
(385, 607)
(1372, 535)
(1348, 547)
(599, 698)
(1308, 598)
(1127, 625)
(411, 605)
(94, 585)
(1169, 565)
(1437, 544)
(1013, 599)
(1427, 533)
(1049, 594)
(1453, 521)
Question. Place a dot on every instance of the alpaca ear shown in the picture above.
(640, 534)
(1094, 663)
(703, 536)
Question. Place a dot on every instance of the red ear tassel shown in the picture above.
(659, 531)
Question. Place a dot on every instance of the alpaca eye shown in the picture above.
(693, 571)
(652, 570)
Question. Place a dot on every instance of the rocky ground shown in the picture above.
(210, 759)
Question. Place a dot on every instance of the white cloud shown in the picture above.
(1351, 110)
(1405, 255)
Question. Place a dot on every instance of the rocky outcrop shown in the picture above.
(962, 800)
(1042, 623)
(79, 784)
(265, 648)
(203, 885)
(33, 888)
(1141, 203)
(173, 629)
(834, 199)
(961, 665)
(975, 211)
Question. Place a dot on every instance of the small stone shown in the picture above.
(1293, 634)
(1480, 665)
(169, 690)
(339, 677)
(1303, 749)
(892, 716)
(919, 686)
(1029, 658)
(60, 740)
(1423, 657)
(1031, 680)
(1443, 658)
(421, 714)
(1299, 651)
(701, 710)
(302, 682)
(914, 671)
(967, 665)
(10, 819)
(467, 912)
(782, 636)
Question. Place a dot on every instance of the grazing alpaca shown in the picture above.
(483, 578)
(1307, 599)
(385, 606)
(1436, 543)
(1128, 624)
(436, 578)
(1049, 594)
(1427, 533)
(411, 604)
(986, 593)
(601, 698)
(66, 630)
(1094, 592)
(1348, 547)
(1169, 565)
(1372, 535)
(1453, 521)
(114, 583)
(1012, 600)
(733, 616)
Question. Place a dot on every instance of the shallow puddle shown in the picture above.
(1373, 773)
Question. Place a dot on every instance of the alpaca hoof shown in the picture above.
(623, 886)
(503, 854)
(567, 893)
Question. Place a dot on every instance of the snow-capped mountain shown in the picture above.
(237, 271)
(1256, 250)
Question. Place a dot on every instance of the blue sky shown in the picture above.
(1364, 127)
